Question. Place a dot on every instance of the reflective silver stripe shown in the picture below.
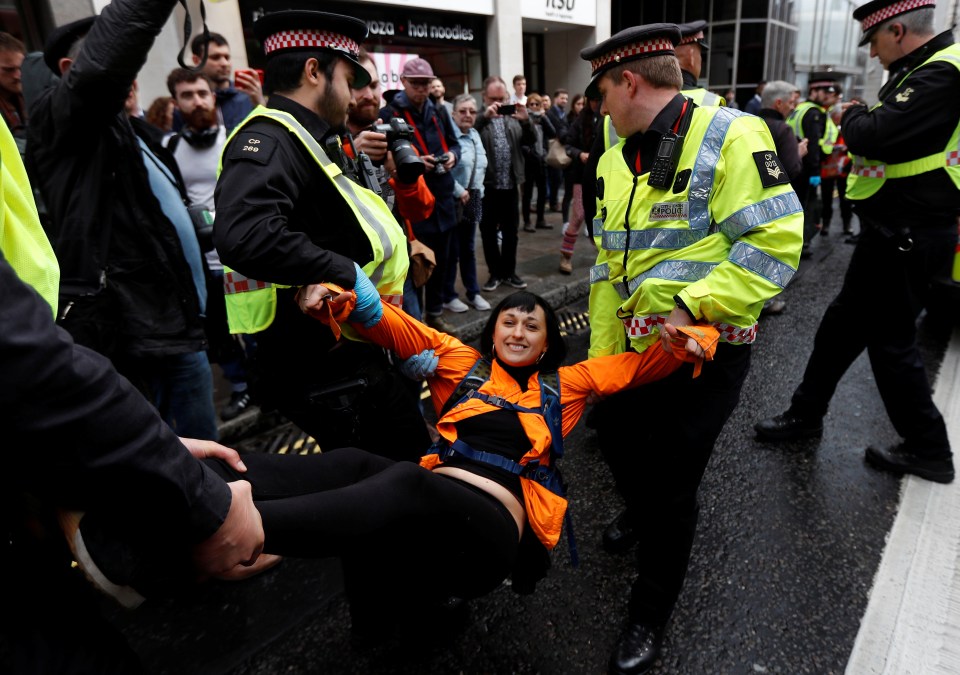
(597, 226)
(763, 264)
(642, 326)
(709, 98)
(766, 211)
(701, 180)
(395, 300)
(673, 270)
(599, 273)
(234, 282)
(345, 184)
(653, 238)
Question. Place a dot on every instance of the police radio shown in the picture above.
(669, 151)
(357, 167)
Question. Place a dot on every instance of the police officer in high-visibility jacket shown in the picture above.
(690, 51)
(905, 189)
(697, 222)
(811, 120)
(288, 219)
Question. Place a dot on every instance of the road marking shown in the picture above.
(912, 622)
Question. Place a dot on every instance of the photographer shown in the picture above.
(399, 170)
(436, 141)
(288, 219)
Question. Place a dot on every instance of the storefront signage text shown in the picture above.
(425, 29)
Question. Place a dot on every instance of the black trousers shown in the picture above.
(657, 440)
(500, 214)
(839, 184)
(883, 293)
(535, 176)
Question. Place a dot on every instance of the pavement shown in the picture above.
(538, 260)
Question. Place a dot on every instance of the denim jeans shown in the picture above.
(462, 254)
(182, 390)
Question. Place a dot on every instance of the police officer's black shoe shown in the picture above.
(620, 535)
(636, 650)
(788, 426)
(899, 460)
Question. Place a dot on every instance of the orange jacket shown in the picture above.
(604, 375)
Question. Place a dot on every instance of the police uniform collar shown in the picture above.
(307, 30)
(909, 61)
(631, 44)
(689, 81)
(646, 143)
(316, 125)
(875, 13)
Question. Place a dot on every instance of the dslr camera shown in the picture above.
(399, 135)
(439, 167)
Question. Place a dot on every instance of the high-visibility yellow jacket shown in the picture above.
(22, 239)
(723, 244)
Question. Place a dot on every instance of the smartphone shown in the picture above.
(507, 109)
(258, 72)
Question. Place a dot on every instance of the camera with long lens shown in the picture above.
(399, 135)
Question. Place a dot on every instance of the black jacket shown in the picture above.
(88, 439)
(126, 287)
(518, 134)
(916, 119)
(785, 141)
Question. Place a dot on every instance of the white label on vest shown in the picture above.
(670, 211)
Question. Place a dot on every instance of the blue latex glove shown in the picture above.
(368, 310)
(420, 366)
(814, 181)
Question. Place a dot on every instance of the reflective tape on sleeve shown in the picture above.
(761, 263)
(766, 211)
(599, 273)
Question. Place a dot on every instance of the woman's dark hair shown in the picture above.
(523, 300)
(588, 124)
(284, 70)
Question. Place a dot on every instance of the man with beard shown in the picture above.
(288, 219)
(197, 147)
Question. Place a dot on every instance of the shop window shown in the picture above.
(721, 55)
(754, 9)
(752, 52)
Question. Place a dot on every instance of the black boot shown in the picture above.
(788, 426)
(897, 459)
(636, 650)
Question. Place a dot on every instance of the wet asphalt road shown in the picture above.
(789, 539)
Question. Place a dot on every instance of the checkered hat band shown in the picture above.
(691, 38)
(318, 39)
(895, 9)
(637, 48)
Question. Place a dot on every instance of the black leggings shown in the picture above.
(350, 502)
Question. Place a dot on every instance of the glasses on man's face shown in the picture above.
(464, 112)
(418, 84)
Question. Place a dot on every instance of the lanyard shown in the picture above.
(423, 144)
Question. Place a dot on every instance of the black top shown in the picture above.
(785, 141)
(916, 119)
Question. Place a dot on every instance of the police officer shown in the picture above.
(905, 189)
(690, 51)
(811, 120)
(288, 219)
(698, 222)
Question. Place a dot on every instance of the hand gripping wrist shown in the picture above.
(369, 310)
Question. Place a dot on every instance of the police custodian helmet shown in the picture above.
(296, 29)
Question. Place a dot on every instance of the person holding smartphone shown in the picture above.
(236, 98)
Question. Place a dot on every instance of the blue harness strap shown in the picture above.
(550, 409)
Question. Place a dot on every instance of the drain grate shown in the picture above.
(287, 439)
(573, 323)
